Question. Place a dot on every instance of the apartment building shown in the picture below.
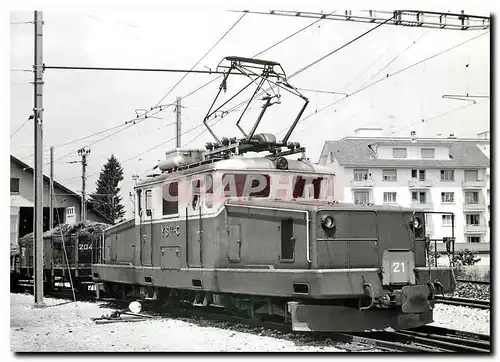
(431, 174)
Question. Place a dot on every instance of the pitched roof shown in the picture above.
(357, 152)
(58, 185)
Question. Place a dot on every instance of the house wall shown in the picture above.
(403, 198)
(61, 200)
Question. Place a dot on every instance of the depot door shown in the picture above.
(146, 218)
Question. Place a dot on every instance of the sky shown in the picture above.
(80, 103)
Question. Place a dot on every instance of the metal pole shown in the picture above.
(51, 189)
(83, 152)
(38, 174)
(178, 121)
(83, 186)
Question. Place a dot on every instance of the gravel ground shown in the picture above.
(473, 291)
(462, 318)
(68, 328)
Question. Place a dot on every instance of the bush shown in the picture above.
(465, 258)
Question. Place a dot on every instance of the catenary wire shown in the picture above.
(213, 80)
(359, 90)
(203, 57)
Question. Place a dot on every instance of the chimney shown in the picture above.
(413, 135)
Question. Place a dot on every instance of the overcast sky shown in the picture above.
(79, 103)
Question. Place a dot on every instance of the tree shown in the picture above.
(106, 199)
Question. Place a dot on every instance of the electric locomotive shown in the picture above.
(262, 235)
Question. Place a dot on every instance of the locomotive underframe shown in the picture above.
(315, 300)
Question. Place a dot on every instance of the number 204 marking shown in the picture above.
(83, 247)
(398, 267)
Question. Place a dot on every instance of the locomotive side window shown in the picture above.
(287, 240)
(149, 211)
(139, 202)
(355, 224)
(238, 185)
(170, 198)
(300, 184)
(202, 188)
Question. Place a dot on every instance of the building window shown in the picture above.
(472, 197)
(473, 239)
(389, 197)
(447, 197)
(14, 185)
(170, 198)
(389, 174)
(446, 220)
(447, 175)
(399, 152)
(427, 152)
(472, 219)
(419, 197)
(360, 174)
(471, 175)
(361, 197)
(418, 174)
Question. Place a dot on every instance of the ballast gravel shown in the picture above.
(462, 318)
(67, 327)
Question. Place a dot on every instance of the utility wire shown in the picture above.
(291, 35)
(134, 69)
(185, 75)
(396, 57)
(388, 76)
(319, 60)
(136, 121)
(21, 126)
(428, 120)
(213, 80)
(206, 84)
(203, 57)
(340, 48)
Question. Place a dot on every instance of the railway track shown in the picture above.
(481, 282)
(422, 339)
(465, 302)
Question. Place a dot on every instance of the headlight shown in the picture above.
(281, 163)
(327, 222)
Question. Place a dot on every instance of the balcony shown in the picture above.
(474, 206)
(362, 184)
(475, 184)
(421, 184)
(421, 205)
(475, 229)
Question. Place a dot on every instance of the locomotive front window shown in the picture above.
(250, 185)
(148, 203)
(170, 198)
(302, 184)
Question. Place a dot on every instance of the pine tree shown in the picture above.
(106, 199)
